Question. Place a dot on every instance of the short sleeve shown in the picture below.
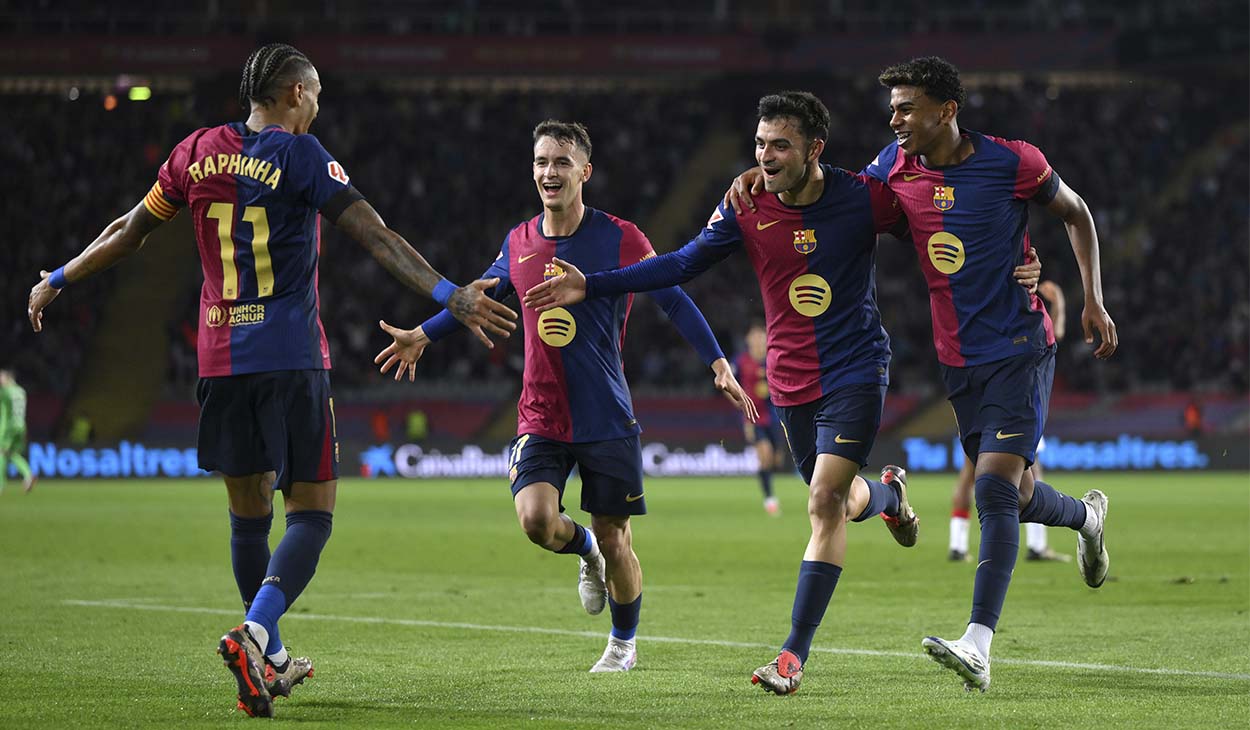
(1035, 180)
(318, 176)
(501, 267)
(169, 193)
(881, 165)
(635, 246)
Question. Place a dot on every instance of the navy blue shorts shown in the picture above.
(611, 471)
(1001, 406)
(281, 421)
(842, 422)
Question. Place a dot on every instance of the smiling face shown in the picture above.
(784, 153)
(560, 170)
(919, 120)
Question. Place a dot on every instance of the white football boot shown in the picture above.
(592, 585)
(962, 658)
(620, 656)
(1091, 551)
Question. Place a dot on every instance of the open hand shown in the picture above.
(405, 350)
(561, 291)
(480, 313)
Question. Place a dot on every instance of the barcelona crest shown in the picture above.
(551, 271)
(805, 240)
(943, 197)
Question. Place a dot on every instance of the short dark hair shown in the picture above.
(938, 77)
(268, 70)
(573, 133)
(811, 112)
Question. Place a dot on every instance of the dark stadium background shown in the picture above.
(1140, 106)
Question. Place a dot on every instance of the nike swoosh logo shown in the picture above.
(523, 259)
(839, 440)
(633, 497)
(983, 562)
(759, 226)
(909, 178)
(1002, 436)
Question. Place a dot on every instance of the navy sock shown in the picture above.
(881, 499)
(998, 510)
(625, 618)
(816, 583)
(579, 545)
(766, 482)
(249, 553)
(291, 567)
(1052, 507)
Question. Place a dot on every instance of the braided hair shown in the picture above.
(269, 69)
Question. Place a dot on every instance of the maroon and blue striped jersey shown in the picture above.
(970, 226)
(254, 199)
(573, 388)
(816, 270)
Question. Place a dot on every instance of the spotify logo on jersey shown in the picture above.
(946, 252)
(556, 327)
(810, 295)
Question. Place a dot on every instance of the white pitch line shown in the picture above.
(135, 605)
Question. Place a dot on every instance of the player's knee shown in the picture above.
(613, 542)
(826, 503)
(539, 527)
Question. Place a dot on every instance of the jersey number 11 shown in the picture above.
(223, 213)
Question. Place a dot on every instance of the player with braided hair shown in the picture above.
(255, 190)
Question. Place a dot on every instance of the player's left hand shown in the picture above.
(1095, 317)
(41, 295)
(406, 350)
(742, 191)
(564, 290)
(1029, 273)
(728, 384)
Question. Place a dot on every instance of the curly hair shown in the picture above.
(938, 77)
(812, 114)
(269, 69)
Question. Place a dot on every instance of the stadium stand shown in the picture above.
(1160, 162)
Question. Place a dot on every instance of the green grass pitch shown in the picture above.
(431, 609)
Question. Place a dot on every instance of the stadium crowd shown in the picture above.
(1161, 168)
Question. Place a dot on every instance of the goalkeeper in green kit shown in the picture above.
(13, 430)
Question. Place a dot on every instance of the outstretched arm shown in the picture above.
(683, 313)
(657, 272)
(407, 346)
(120, 239)
(468, 304)
(1069, 207)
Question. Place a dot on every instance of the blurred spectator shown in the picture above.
(1163, 170)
